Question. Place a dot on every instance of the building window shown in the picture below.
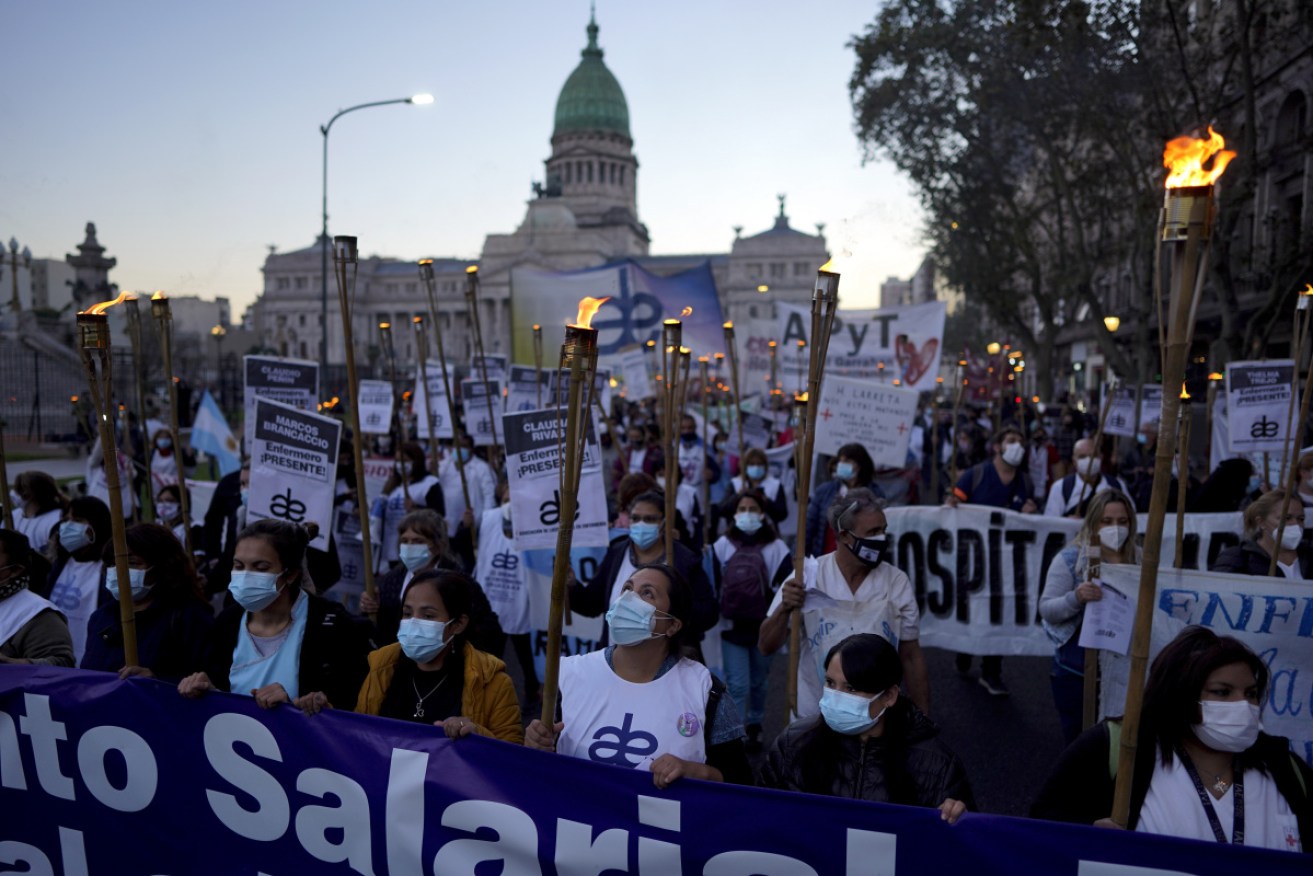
(615, 168)
(300, 282)
(622, 174)
(284, 283)
(754, 270)
(567, 172)
(302, 321)
(411, 288)
(777, 270)
(579, 171)
(801, 269)
(589, 165)
(752, 311)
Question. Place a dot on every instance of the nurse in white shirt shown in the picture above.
(40, 507)
(78, 570)
(857, 589)
(479, 479)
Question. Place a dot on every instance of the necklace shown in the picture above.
(419, 700)
(1220, 784)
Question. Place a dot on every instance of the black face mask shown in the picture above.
(869, 551)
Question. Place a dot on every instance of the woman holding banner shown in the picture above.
(433, 675)
(638, 703)
(280, 643)
(1266, 534)
(869, 742)
(1204, 768)
(1106, 536)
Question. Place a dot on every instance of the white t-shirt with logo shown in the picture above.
(501, 574)
(76, 593)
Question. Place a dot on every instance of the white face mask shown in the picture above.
(1014, 453)
(1089, 466)
(1228, 725)
(1113, 537)
(1289, 536)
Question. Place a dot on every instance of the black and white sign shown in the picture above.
(376, 398)
(430, 384)
(1258, 404)
(529, 389)
(292, 382)
(294, 467)
(633, 370)
(1121, 413)
(496, 365)
(1151, 403)
(474, 399)
(858, 410)
(533, 443)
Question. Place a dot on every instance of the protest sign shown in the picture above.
(293, 467)
(854, 410)
(1121, 412)
(1151, 403)
(494, 362)
(474, 403)
(429, 381)
(1107, 622)
(376, 399)
(533, 470)
(1258, 405)
(633, 371)
(526, 386)
(292, 382)
(1274, 616)
(110, 776)
(905, 340)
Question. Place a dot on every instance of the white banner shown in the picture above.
(905, 340)
(533, 470)
(1274, 616)
(879, 417)
(292, 382)
(294, 467)
(1258, 405)
(633, 370)
(1121, 412)
(376, 399)
(474, 402)
(430, 383)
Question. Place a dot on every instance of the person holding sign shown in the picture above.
(433, 675)
(1266, 534)
(410, 486)
(1106, 536)
(869, 742)
(1204, 769)
(280, 643)
(638, 703)
(855, 590)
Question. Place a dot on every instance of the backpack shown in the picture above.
(745, 585)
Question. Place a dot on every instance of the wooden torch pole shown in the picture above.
(163, 313)
(1288, 483)
(426, 274)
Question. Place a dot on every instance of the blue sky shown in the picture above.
(188, 132)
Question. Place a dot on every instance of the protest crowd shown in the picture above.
(695, 609)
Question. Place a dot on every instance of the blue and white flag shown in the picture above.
(210, 435)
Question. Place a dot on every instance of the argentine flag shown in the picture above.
(210, 434)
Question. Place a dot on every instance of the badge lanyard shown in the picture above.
(1238, 787)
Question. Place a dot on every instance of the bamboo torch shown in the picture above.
(93, 337)
(422, 353)
(1188, 212)
(957, 409)
(1098, 439)
(472, 301)
(704, 363)
(579, 362)
(1288, 484)
(346, 257)
(538, 362)
(733, 355)
(825, 301)
(426, 274)
(1182, 477)
(671, 334)
(1090, 687)
(163, 313)
(139, 387)
(398, 415)
(772, 347)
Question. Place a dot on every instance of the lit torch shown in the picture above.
(472, 301)
(538, 362)
(1303, 316)
(579, 363)
(398, 415)
(422, 353)
(93, 337)
(163, 313)
(1182, 475)
(426, 274)
(733, 355)
(134, 336)
(1187, 224)
(671, 335)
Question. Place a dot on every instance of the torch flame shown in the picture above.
(1184, 159)
(729, 324)
(158, 296)
(588, 308)
(828, 268)
(1185, 396)
(106, 305)
(687, 311)
(801, 397)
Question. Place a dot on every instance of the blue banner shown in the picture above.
(101, 776)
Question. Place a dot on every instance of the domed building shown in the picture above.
(583, 214)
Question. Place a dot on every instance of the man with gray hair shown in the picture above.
(855, 590)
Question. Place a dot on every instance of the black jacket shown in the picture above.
(1249, 558)
(593, 597)
(907, 764)
(170, 639)
(333, 651)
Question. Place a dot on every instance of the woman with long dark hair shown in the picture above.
(41, 504)
(869, 742)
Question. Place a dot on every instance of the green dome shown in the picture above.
(591, 99)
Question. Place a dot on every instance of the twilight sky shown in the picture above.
(188, 132)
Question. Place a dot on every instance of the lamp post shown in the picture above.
(13, 261)
(218, 333)
(417, 100)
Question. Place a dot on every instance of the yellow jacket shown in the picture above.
(487, 698)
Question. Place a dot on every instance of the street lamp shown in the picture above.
(993, 348)
(13, 260)
(1112, 323)
(417, 100)
(218, 333)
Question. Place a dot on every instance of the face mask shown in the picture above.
(747, 522)
(846, 713)
(403, 469)
(254, 590)
(844, 471)
(661, 481)
(1089, 466)
(74, 536)
(644, 534)
(136, 582)
(421, 640)
(1141, 439)
(756, 472)
(630, 619)
(168, 510)
(246, 494)
(871, 550)
(415, 556)
(1255, 483)
(465, 453)
(689, 440)
(1113, 537)
(1014, 453)
(164, 443)
(1228, 726)
(1289, 535)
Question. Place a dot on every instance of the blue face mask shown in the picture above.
(254, 591)
(844, 471)
(421, 640)
(1255, 484)
(164, 443)
(846, 713)
(756, 472)
(747, 522)
(74, 536)
(630, 619)
(246, 494)
(465, 454)
(644, 534)
(136, 581)
(415, 556)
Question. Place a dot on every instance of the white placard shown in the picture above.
(496, 364)
(1258, 405)
(1151, 403)
(479, 423)
(529, 389)
(533, 470)
(292, 382)
(440, 425)
(856, 410)
(1121, 412)
(294, 467)
(633, 370)
(376, 398)
(1108, 621)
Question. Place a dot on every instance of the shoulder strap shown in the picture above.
(713, 704)
(1068, 487)
(1114, 746)
(1299, 774)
